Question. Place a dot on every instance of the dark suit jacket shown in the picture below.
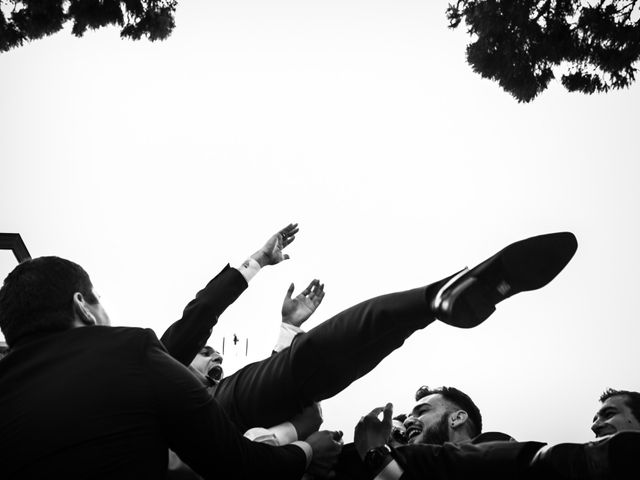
(107, 402)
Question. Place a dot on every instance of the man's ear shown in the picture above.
(458, 418)
(81, 310)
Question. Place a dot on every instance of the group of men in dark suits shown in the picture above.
(81, 399)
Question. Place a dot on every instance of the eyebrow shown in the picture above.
(604, 411)
(421, 408)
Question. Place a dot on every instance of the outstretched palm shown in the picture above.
(296, 311)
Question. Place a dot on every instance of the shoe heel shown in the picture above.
(467, 304)
(437, 300)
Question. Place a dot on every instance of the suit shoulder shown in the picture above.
(122, 336)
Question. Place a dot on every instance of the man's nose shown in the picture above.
(596, 425)
(410, 420)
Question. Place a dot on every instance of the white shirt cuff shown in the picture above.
(306, 448)
(282, 434)
(262, 435)
(249, 268)
(285, 433)
(286, 336)
(392, 471)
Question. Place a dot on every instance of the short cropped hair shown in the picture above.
(632, 399)
(460, 400)
(37, 296)
(401, 418)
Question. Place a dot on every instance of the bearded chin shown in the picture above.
(437, 434)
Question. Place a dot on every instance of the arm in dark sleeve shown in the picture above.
(198, 430)
(498, 460)
(184, 338)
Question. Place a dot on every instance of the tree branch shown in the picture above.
(543, 10)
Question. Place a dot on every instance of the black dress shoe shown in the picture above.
(468, 298)
(616, 457)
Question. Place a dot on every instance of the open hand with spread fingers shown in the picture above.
(297, 310)
(271, 252)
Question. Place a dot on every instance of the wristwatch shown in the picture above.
(375, 458)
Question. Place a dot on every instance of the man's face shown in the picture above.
(208, 362)
(614, 416)
(429, 421)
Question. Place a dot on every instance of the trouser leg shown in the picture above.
(325, 360)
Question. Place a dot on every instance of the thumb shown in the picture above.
(290, 291)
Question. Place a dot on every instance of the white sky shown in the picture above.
(154, 164)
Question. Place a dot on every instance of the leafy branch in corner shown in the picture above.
(25, 20)
(519, 43)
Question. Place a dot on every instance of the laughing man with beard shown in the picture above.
(445, 414)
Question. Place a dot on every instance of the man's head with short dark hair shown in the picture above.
(620, 411)
(441, 415)
(38, 296)
(458, 398)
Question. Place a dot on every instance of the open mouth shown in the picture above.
(215, 373)
(604, 432)
(412, 431)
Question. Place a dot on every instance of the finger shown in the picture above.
(317, 299)
(375, 412)
(287, 234)
(315, 290)
(287, 240)
(309, 288)
(286, 257)
(290, 291)
(388, 413)
(289, 230)
(289, 227)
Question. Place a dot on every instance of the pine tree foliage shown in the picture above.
(24, 20)
(519, 43)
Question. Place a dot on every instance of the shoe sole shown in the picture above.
(525, 265)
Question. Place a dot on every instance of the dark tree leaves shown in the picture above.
(519, 43)
(24, 20)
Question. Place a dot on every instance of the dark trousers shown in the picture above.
(323, 361)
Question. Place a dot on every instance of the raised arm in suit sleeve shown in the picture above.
(198, 430)
(186, 337)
